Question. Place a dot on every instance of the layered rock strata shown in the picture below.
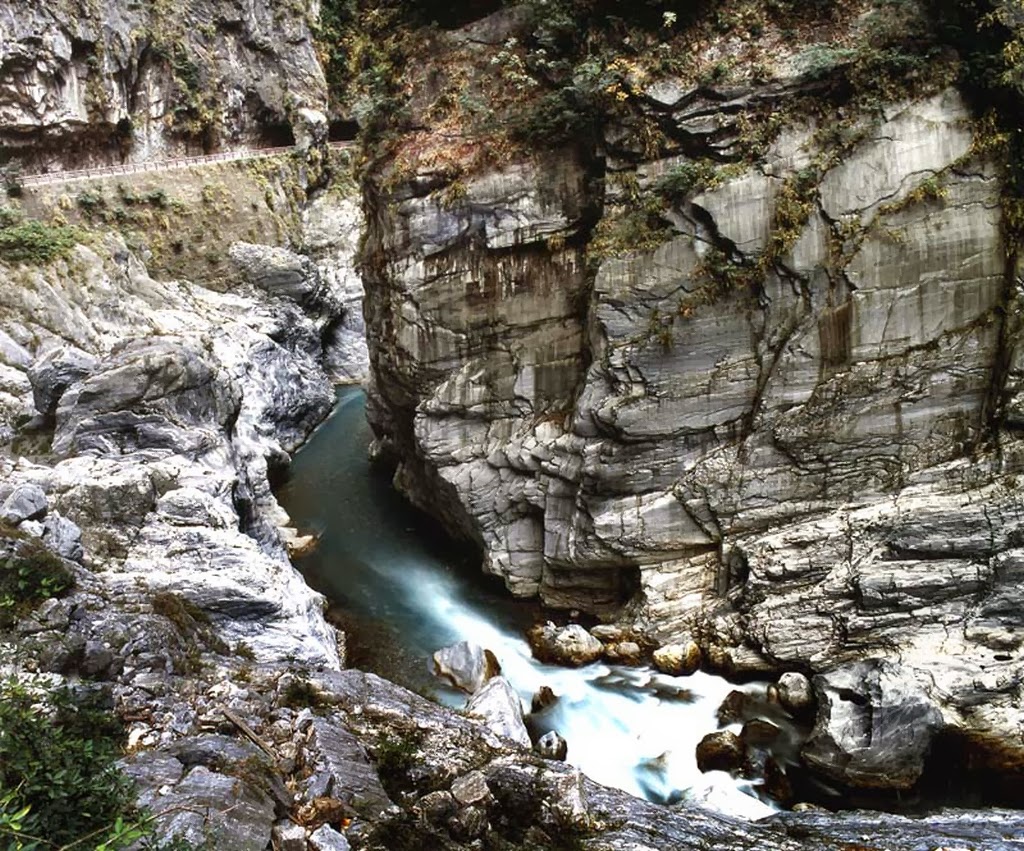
(90, 84)
(788, 430)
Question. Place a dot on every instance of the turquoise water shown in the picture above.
(402, 591)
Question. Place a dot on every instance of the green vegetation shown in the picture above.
(32, 241)
(28, 576)
(59, 784)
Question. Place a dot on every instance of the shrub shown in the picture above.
(58, 779)
(35, 242)
(29, 575)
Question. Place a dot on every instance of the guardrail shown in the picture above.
(45, 178)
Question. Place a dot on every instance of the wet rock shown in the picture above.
(552, 746)
(795, 693)
(569, 645)
(736, 707)
(499, 705)
(874, 727)
(721, 751)
(777, 784)
(25, 502)
(466, 666)
(326, 838)
(758, 732)
(678, 660)
(543, 698)
(624, 652)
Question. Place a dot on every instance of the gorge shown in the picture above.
(702, 323)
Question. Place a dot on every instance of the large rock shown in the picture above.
(25, 502)
(277, 271)
(721, 751)
(567, 645)
(502, 710)
(465, 665)
(874, 728)
(54, 373)
(678, 660)
(340, 767)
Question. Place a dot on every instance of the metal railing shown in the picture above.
(45, 178)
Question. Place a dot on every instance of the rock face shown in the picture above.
(85, 85)
(786, 430)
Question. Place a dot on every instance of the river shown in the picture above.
(404, 591)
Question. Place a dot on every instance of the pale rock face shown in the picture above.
(501, 710)
(172, 405)
(781, 473)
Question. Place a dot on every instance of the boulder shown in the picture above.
(499, 705)
(678, 660)
(276, 271)
(54, 373)
(874, 727)
(624, 652)
(25, 502)
(63, 537)
(466, 666)
(568, 645)
(721, 751)
(794, 692)
(552, 746)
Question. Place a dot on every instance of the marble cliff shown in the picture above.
(734, 359)
(787, 427)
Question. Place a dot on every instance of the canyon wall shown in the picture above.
(85, 83)
(785, 424)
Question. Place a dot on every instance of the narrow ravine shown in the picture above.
(383, 569)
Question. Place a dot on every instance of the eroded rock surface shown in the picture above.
(91, 85)
(784, 431)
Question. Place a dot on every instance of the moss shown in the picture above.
(193, 625)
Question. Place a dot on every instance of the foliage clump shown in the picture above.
(29, 575)
(59, 783)
(32, 241)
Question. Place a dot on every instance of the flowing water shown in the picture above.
(392, 575)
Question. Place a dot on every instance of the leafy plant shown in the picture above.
(28, 575)
(35, 242)
(59, 783)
